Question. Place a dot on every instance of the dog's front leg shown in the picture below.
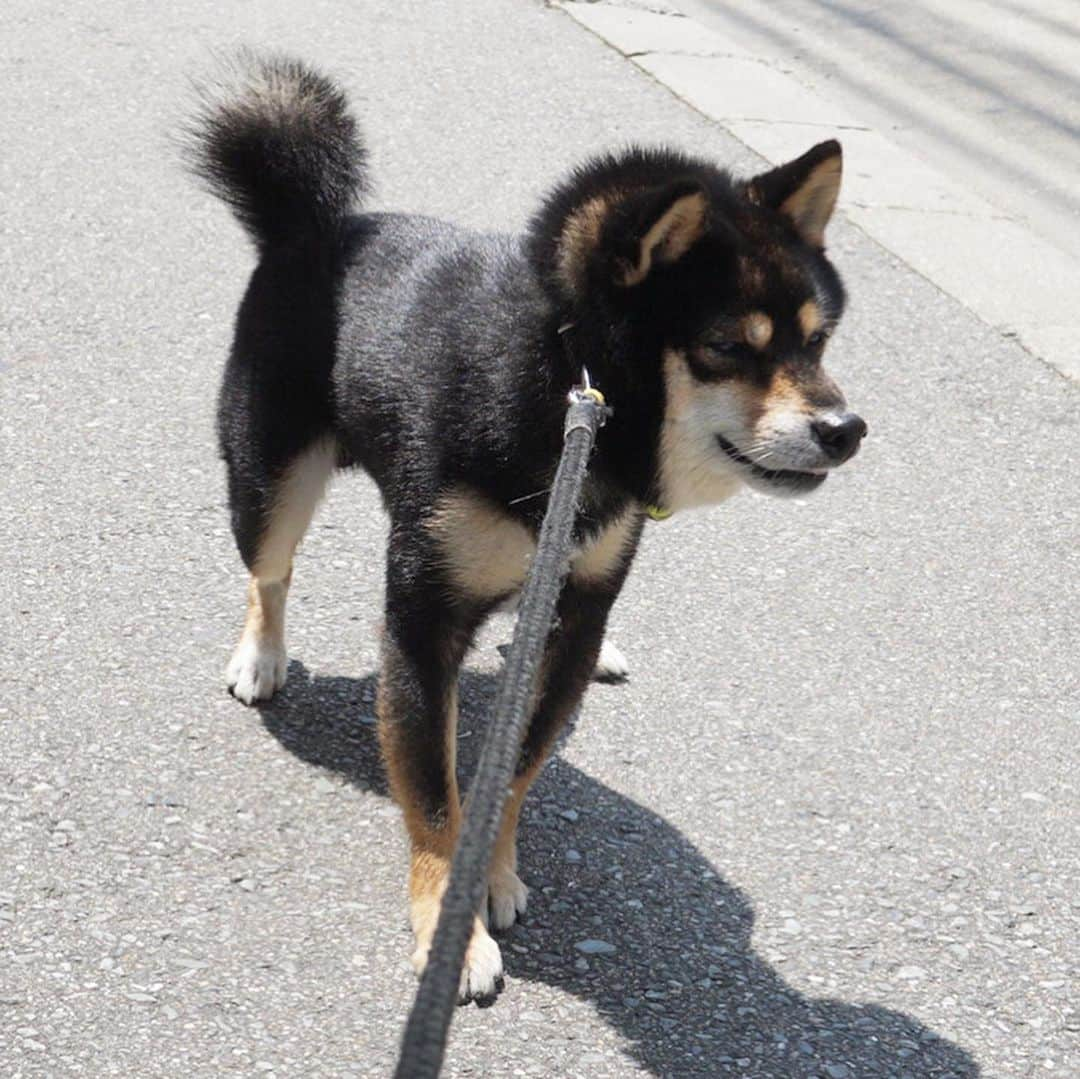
(422, 650)
(572, 649)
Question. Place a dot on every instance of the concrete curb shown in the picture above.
(996, 267)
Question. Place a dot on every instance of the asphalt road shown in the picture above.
(830, 824)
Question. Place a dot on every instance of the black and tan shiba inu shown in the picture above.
(439, 360)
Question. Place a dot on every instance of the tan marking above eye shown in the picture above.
(810, 319)
(757, 328)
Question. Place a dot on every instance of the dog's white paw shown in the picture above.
(419, 957)
(507, 898)
(256, 670)
(611, 664)
(483, 969)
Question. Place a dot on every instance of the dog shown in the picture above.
(439, 360)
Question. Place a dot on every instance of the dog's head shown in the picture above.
(714, 296)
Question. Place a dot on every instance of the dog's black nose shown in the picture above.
(840, 435)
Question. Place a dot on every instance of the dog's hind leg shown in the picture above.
(269, 520)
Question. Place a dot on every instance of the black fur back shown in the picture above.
(275, 141)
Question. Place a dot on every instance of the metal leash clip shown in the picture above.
(586, 395)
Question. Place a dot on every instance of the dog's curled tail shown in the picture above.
(274, 140)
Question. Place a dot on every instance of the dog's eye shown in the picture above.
(721, 346)
(816, 338)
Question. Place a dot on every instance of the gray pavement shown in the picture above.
(830, 824)
(986, 90)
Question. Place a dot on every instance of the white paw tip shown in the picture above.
(419, 959)
(507, 900)
(483, 968)
(256, 671)
(611, 665)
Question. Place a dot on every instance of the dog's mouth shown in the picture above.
(790, 480)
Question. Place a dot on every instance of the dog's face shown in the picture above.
(748, 399)
(733, 287)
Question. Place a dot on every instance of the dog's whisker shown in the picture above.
(754, 447)
(758, 452)
(525, 498)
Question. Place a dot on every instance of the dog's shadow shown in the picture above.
(683, 985)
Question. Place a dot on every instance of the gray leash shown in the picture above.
(424, 1041)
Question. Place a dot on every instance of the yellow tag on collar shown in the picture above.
(657, 513)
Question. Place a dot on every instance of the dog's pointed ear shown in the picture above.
(656, 228)
(804, 190)
(620, 238)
